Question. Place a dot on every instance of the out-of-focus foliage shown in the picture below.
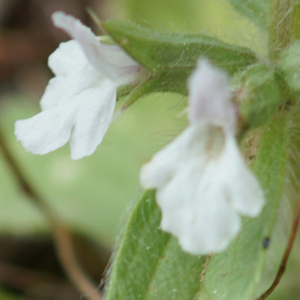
(206, 17)
(8, 296)
(257, 11)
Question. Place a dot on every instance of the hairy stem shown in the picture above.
(296, 20)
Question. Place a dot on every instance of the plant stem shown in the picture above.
(286, 254)
(296, 20)
(280, 27)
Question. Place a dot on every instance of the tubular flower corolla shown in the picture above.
(202, 183)
(79, 101)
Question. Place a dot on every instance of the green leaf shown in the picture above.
(255, 10)
(170, 58)
(150, 265)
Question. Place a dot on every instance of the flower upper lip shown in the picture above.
(115, 67)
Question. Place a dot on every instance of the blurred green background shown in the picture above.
(92, 194)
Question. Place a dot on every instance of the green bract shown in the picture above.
(290, 65)
(257, 94)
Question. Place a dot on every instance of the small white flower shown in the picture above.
(203, 184)
(79, 101)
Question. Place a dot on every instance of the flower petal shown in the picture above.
(88, 114)
(47, 131)
(246, 195)
(92, 119)
(214, 225)
(210, 96)
(195, 210)
(166, 162)
(98, 56)
(73, 73)
(192, 142)
(215, 222)
(176, 197)
(202, 184)
(68, 58)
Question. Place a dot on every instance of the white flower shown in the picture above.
(203, 184)
(79, 102)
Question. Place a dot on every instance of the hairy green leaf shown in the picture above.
(150, 265)
(255, 10)
(170, 58)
